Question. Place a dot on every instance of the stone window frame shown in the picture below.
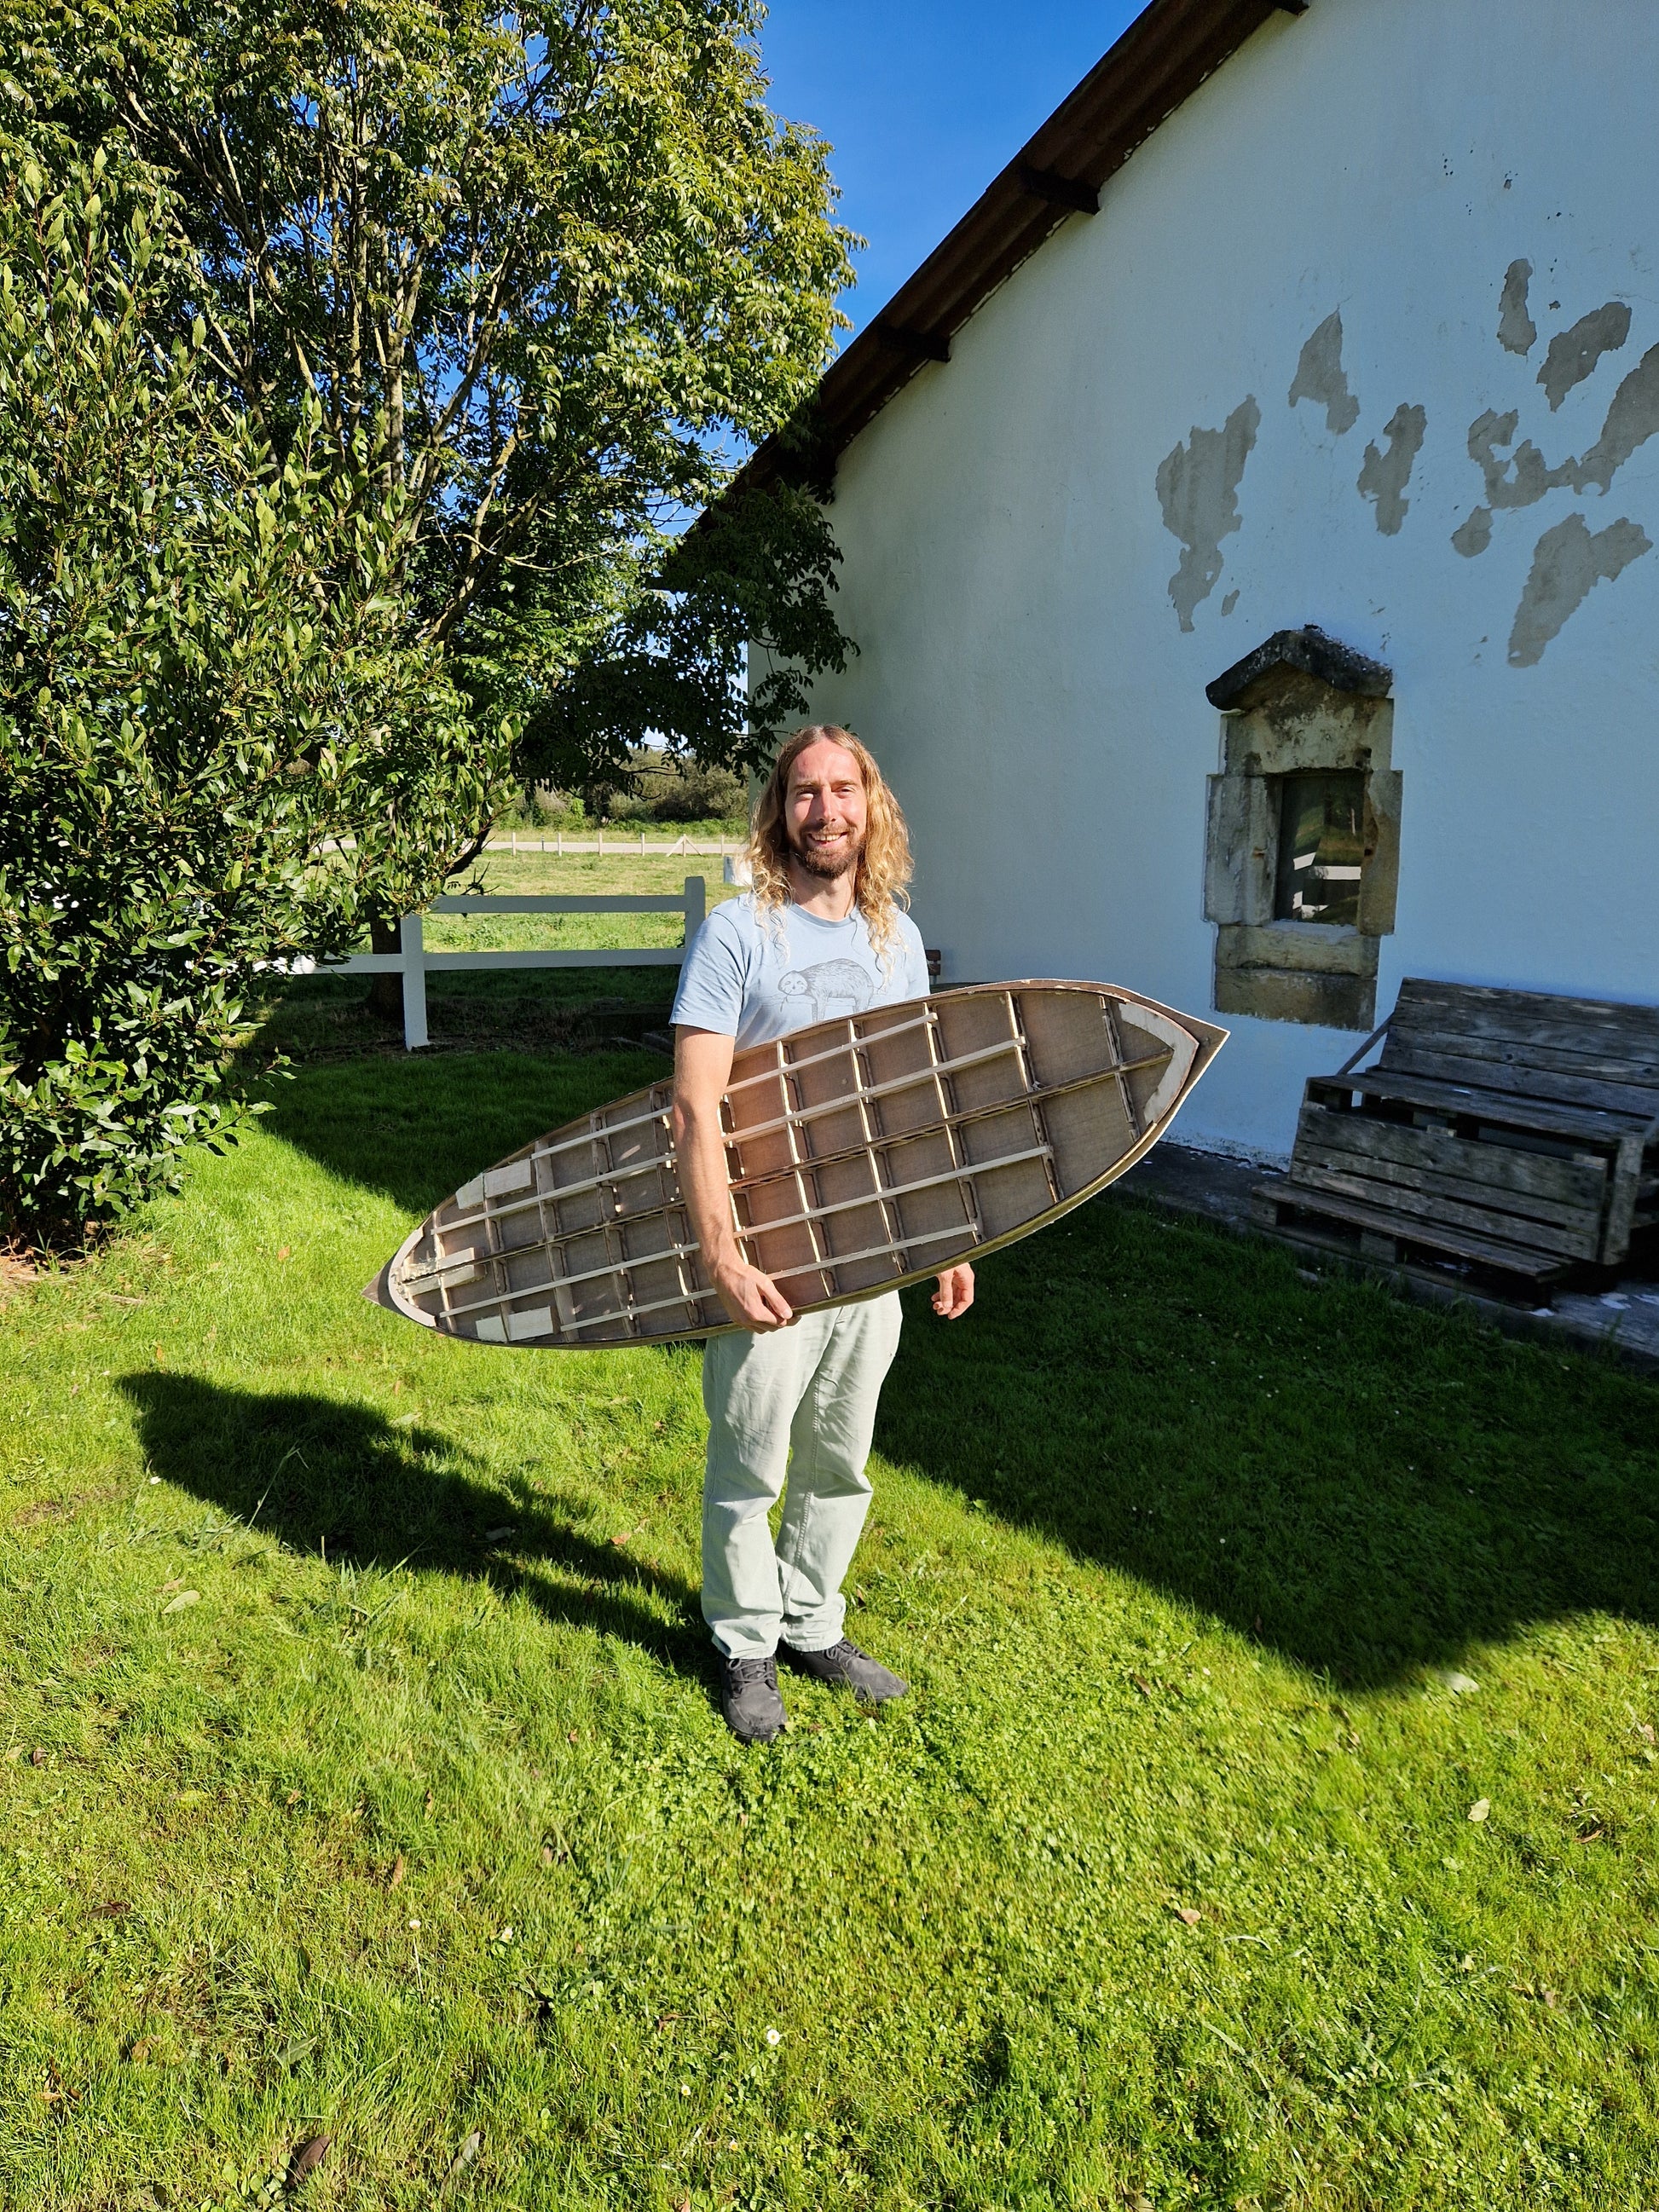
(1300, 703)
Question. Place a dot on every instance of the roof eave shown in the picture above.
(1160, 61)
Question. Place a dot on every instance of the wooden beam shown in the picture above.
(920, 345)
(1059, 192)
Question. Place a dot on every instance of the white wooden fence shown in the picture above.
(412, 961)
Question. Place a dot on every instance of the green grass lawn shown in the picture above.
(361, 1773)
(584, 874)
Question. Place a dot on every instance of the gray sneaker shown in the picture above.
(749, 1698)
(848, 1669)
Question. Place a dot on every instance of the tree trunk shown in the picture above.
(385, 992)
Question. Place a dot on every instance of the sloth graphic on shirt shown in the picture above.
(830, 987)
(755, 976)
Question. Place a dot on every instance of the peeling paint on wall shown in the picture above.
(1385, 475)
(1320, 376)
(1198, 483)
(1516, 331)
(1521, 480)
(1523, 477)
(1567, 563)
(1198, 491)
(1631, 420)
(1474, 534)
(1574, 354)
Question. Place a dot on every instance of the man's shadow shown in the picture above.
(345, 1483)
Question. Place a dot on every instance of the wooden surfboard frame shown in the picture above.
(918, 1132)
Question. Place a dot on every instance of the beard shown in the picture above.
(827, 867)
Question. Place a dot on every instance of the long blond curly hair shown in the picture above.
(883, 865)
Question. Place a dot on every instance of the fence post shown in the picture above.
(697, 905)
(414, 952)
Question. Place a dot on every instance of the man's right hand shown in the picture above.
(752, 1299)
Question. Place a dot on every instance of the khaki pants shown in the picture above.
(798, 1401)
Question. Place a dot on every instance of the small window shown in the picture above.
(1302, 851)
(1321, 848)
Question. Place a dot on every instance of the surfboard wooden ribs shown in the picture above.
(865, 1153)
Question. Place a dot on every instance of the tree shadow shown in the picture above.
(344, 1483)
(1366, 1485)
(545, 1011)
(418, 1127)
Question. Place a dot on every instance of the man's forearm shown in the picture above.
(702, 1060)
(700, 1146)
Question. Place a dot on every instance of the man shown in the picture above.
(821, 933)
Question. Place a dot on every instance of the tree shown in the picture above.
(221, 741)
(552, 269)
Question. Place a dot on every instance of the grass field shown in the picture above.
(361, 1773)
(584, 874)
(540, 1010)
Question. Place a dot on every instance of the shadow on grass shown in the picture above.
(343, 1483)
(1366, 1485)
(557, 1011)
(418, 1127)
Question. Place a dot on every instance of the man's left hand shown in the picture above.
(955, 1293)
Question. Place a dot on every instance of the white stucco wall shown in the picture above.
(1023, 672)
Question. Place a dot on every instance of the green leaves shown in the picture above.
(222, 742)
(359, 370)
(547, 275)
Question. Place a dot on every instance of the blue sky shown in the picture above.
(923, 101)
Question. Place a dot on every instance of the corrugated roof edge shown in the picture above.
(1160, 61)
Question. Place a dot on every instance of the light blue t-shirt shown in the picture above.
(755, 978)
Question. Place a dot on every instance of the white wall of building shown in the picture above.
(1022, 671)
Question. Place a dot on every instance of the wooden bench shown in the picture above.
(1512, 1133)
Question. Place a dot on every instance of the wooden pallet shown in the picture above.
(1374, 1236)
(864, 1153)
(1513, 1131)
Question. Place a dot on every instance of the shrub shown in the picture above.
(220, 744)
(692, 791)
(653, 786)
